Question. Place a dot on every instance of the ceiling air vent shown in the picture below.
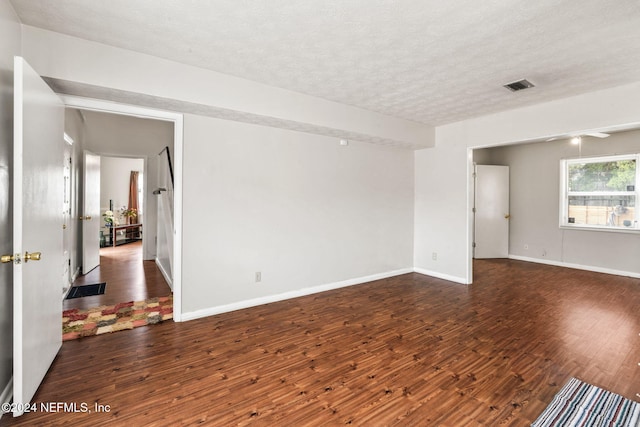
(519, 85)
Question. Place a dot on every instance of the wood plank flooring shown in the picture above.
(128, 278)
(409, 350)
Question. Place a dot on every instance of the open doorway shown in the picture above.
(577, 229)
(129, 149)
(122, 190)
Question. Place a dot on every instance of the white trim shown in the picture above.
(7, 394)
(291, 294)
(75, 275)
(164, 273)
(601, 193)
(18, 134)
(601, 158)
(146, 237)
(471, 218)
(178, 144)
(117, 108)
(65, 293)
(576, 266)
(599, 228)
(437, 275)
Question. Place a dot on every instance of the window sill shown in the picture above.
(628, 230)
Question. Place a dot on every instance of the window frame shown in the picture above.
(565, 193)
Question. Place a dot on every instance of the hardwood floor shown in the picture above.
(409, 350)
(128, 278)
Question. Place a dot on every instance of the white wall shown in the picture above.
(288, 204)
(299, 208)
(440, 224)
(118, 135)
(10, 42)
(434, 228)
(535, 195)
(115, 174)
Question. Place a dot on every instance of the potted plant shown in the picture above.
(109, 219)
(128, 214)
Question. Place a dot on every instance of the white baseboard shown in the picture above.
(75, 275)
(7, 394)
(164, 274)
(437, 275)
(576, 266)
(70, 285)
(288, 295)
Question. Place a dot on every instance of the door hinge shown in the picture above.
(473, 245)
(473, 210)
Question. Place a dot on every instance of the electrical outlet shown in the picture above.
(434, 256)
(258, 276)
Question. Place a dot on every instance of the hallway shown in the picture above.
(128, 278)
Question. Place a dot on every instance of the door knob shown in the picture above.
(9, 258)
(507, 216)
(88, 217)
(34, 256)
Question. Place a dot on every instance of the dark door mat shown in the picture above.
(86, 290)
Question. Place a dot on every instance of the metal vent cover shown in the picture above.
(519, 85)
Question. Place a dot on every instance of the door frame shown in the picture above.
(178, 143)
(145, 160)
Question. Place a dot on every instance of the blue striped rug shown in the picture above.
(585, 405)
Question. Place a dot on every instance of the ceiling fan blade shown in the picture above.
(598, 134)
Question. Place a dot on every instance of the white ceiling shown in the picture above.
(429, 61)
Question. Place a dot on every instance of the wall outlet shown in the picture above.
(434, 256)
(258, 276)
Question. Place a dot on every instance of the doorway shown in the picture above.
(119, 198)
(122, 190)
(133, 132)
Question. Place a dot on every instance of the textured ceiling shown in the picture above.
(429, 61)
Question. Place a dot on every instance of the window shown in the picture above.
(600, 192)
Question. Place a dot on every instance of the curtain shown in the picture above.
(133, 196)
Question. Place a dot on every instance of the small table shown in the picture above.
(129, 230)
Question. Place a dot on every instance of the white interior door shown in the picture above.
(91, 219)
(37, 228)
(492, 212)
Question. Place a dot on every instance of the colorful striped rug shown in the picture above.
(585, 405)
(127, 315)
